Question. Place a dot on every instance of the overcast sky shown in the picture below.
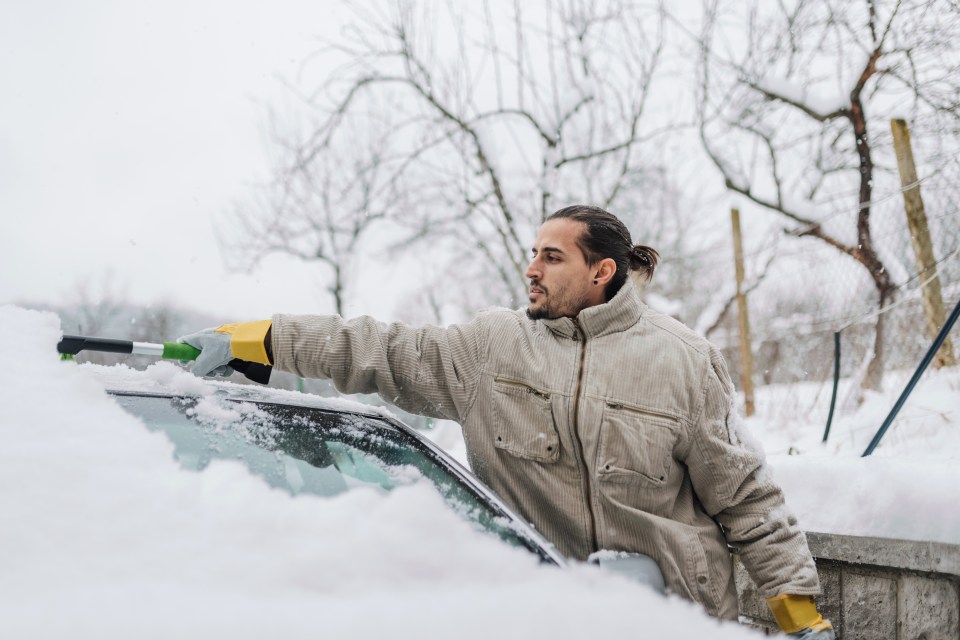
(126, 130)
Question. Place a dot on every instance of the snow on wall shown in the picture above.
(876, 497)
(908, 488)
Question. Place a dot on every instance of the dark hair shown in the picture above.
(606, 237)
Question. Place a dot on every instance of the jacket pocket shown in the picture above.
(524, 421)
(636, 445)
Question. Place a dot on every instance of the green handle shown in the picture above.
(179, 351)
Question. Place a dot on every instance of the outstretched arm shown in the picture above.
(426, 370)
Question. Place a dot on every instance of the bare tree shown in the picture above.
(317, 209)
(488, 119)
(790, 93)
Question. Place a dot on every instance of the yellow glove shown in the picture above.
(237, 341)
(247, 340)
(798, 615)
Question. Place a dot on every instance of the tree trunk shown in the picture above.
(874, 377)
(864, 251)
(337, 288)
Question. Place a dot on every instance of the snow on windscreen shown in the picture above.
(105, 536)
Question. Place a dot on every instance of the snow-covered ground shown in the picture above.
(908, 488)
(103, 535)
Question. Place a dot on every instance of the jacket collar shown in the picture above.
(618, 314)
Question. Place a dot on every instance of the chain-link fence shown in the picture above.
(811, 291)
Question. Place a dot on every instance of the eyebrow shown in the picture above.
(548, 250)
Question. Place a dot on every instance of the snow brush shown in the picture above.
(70, 346)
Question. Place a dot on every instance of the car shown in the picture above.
(304, 444)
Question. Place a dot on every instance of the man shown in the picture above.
(607, 425)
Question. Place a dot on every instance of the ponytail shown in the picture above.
(644, 259)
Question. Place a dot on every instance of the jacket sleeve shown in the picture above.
(425, 370)
(734, 485)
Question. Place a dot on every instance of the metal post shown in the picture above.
(913, 381)
(920, 238)
(746, 356)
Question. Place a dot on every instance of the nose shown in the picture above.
(534, 272)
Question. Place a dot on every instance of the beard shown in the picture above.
(540, 314)
(563, 305)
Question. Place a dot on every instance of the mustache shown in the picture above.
(536, 283)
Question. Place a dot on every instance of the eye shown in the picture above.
(552, 258)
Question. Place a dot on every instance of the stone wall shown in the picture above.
(875, 588)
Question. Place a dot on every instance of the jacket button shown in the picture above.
(702, 579)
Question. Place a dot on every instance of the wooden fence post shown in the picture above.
(746, 356)
(920, 238)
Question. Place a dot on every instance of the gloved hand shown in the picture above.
(799, 618)
(239, 340)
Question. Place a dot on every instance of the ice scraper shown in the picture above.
(72, 345)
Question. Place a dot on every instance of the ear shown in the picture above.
(604, 271)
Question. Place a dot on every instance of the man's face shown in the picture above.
(560, 278)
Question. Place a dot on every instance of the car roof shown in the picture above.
(164, 378)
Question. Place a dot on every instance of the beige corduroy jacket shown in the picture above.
(616, 430)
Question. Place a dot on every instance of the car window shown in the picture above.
(303, 450)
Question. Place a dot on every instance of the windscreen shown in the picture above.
(302, 450)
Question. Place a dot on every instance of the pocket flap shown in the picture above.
(524, 422)
(636, 445)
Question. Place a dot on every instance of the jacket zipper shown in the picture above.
(643, 412)
(521, 385)
(581, 460)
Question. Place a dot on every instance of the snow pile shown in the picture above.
(906, 489)
(105, 536)
(874, 497)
